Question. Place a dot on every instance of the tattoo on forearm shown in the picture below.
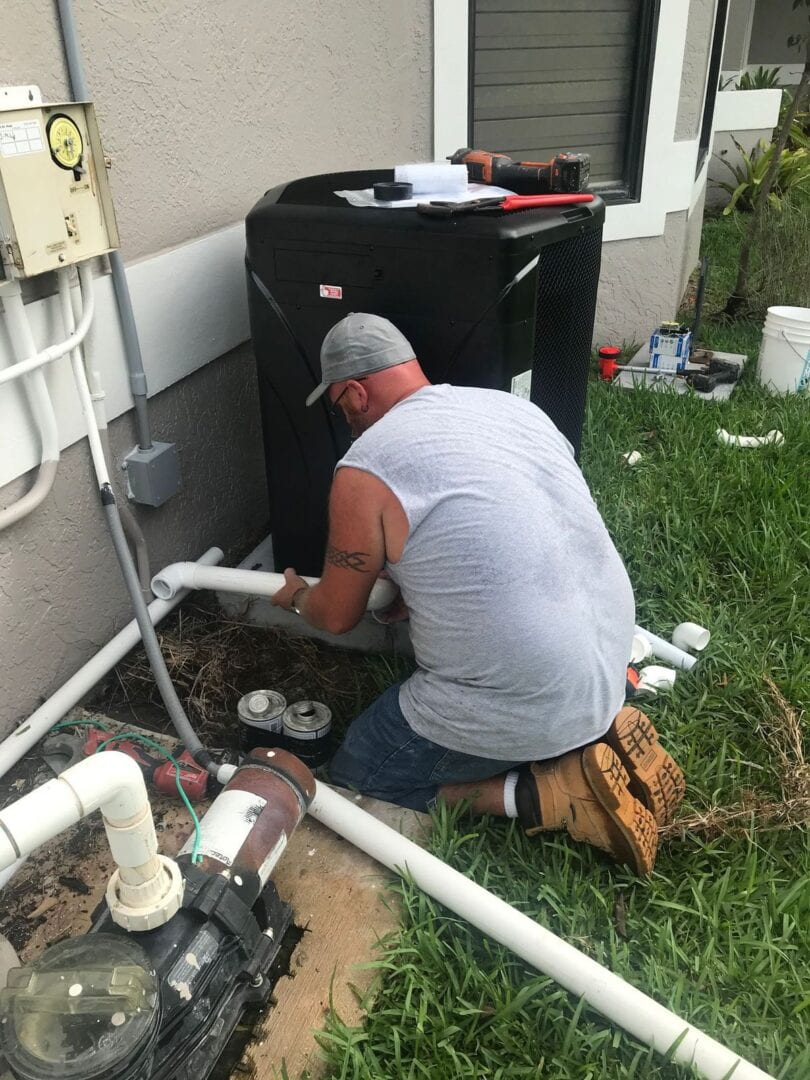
(347, 560)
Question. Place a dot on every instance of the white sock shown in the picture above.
(509, 785)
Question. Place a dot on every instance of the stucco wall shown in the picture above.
(699, 31)
(641, 283)
(61, 594)
(203, 106)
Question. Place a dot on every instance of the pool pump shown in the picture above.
(163, 1003)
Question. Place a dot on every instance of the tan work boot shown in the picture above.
(586, 793)
(655, 778)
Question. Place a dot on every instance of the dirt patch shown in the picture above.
(213, 661)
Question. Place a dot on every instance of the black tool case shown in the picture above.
(312, 258)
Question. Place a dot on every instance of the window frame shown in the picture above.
(627, 190)
(705, 135)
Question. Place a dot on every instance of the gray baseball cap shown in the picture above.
(359, 345)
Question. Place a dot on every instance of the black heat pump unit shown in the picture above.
(312, 258)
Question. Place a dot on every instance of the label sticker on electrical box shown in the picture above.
(522, 385)
(331, 292)
(18, 137)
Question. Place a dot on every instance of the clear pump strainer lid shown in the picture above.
(88, 1007)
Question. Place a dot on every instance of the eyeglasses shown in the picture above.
(333, 409)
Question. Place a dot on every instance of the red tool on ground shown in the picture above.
(69, 747)
(501, 203)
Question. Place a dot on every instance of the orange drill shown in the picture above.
(564, 173)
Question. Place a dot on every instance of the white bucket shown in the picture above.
(784, 357)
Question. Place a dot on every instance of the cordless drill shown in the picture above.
(564, 173)
(63, 749)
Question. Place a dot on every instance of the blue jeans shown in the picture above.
(382, 756)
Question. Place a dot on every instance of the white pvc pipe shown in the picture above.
(40, 722)
(665, 650)
(188, 575)
(583, 977)
(112, 783)
(35, 360)
(146, 888)
(749, 441)
(39, 400)
(79, 373)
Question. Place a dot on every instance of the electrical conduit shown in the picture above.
(36, 389)
(133, 531)
(604, 991)
(128, 571)
(40, 722)
(129, 331)
(29, 360)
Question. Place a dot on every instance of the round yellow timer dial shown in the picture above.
(65, 141)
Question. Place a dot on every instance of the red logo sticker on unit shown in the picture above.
(331, 292)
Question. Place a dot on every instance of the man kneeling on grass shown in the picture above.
(521, 612)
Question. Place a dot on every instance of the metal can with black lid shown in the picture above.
(261, 719)
(307, 729)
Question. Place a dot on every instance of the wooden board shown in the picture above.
(340, 896)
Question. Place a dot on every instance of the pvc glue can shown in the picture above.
(261, 715)
(308, 732)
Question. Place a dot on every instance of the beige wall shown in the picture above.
(641, 283)
(203, 106)
(699, 31)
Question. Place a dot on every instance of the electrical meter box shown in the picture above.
(55, 202)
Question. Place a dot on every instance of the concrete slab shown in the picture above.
(629, 380)
(340, 897)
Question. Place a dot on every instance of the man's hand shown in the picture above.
(292, 583)
(396, 611)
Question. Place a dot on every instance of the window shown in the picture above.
(551, 75)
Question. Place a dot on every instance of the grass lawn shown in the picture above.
(721, 933)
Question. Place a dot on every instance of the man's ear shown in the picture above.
(360, 390)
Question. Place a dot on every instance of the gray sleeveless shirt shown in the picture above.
(521, 611)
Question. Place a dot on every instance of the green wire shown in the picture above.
(195, 851)
(81, 723)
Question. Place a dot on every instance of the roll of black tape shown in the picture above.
(392, 191)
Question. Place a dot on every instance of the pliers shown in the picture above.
(502, 202)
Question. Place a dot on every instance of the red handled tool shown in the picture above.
(503, 203)
(70, 747)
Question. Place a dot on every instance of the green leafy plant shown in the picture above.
(799, 136)
(761, 79)
(754, 167)
(800, 41)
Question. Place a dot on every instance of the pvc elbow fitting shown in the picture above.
(654, 677)
(690, 636)
(171, 579)
(749, 441)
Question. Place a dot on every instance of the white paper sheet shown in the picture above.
(474, 191)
